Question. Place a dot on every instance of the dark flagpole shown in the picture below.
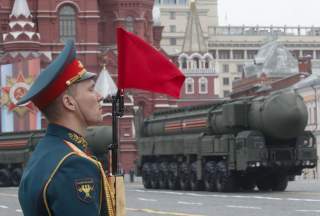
(117, 111)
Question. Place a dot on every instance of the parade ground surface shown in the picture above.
(302, 197)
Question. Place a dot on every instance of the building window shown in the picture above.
(183, 2)
(225, 68)
(213, 53)
(173, 41)
(307, 53)
(67, 23)
(129, 23)
(315, 118)
(207, 63)
(203, 85)
(196, 62)
(158, 2)
(170, 2)
(252, 54)
(238, 54)
(226, 93)
(224, 54)
(240, 68)
(172, 28)
(189, 86)
(225, 81)
(172, 15)
(318, 54)
(295, 53)
(184, 63)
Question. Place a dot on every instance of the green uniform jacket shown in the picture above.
(58, 182)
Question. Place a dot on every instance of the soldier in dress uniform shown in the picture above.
(60, 179)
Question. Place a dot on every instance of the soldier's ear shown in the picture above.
(69, 102)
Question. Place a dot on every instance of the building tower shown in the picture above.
(196, 63)
(21, 41)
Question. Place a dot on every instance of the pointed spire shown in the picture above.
(21, 41)
(156, 15)
(20, 7)
(194, 40)
(105, 85)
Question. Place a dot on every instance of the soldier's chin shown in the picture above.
(96, 121)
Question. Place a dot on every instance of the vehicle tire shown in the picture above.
(280, 183)
(247, 183)
(16, 175)
(163, 175)
(4, 178)
(210, 171)
(184, 178)
(155, 176)
(195, 184)
(264, 184)
(173, 182)
(146, 175)
(225, 181)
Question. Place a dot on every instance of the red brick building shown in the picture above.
(36, 29)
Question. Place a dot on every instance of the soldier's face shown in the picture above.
(88, 101)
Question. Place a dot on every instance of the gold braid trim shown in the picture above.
(44, 192)
(78, 139)
(110, 196)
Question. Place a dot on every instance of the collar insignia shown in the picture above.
(78, 140)
(85, 189)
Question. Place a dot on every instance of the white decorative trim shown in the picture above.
(110, 114)
(165, 106)
(68, 2)
(80, 11)
(21, 23)
(15, 42)
(81, 52)
(61, 44)
(46, 16)
(127, 116)
(96, 17)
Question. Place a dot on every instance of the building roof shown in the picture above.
(194, 40)
(274, 60)
(20, 7)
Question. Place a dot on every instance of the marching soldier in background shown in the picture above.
(60, 179)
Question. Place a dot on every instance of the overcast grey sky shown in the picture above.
(269, 12)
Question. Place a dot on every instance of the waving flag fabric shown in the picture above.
(143, 67)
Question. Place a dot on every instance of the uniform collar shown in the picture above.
(68, 135)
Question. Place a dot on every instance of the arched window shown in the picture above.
(207, 63)
(67, 22)
(203, 85)
(129, 23)
(197, 62)
(184, 63)
(189, 86)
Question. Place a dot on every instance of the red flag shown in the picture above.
(143, 67)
